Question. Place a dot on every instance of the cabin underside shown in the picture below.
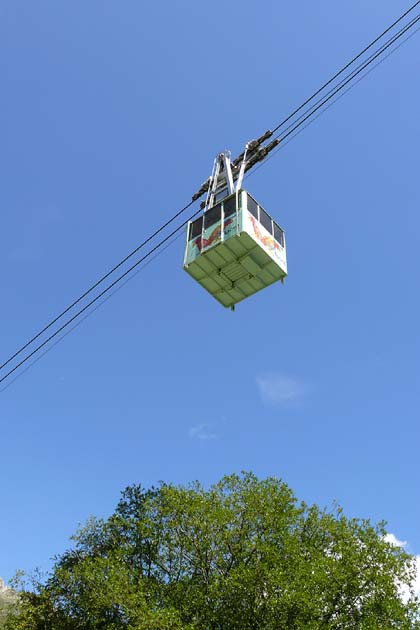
(235, 269)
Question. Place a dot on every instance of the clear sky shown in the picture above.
(112, 113)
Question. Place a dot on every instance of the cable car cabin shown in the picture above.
(235, 249)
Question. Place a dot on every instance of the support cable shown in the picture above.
(96, 298)
(321, 102)
(344, 68)
(96, 284)
(331, 103)
(88, 314)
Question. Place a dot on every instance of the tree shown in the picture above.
(243, 554)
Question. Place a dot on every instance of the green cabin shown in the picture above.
(235, 249)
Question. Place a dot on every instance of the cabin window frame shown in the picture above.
(250, 197)
(228, 199)
(282, 241)
(218, 207)
(192, 224)
(264, 213)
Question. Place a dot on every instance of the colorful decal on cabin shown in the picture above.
(274, 248)
(214, 237)
(211, 237)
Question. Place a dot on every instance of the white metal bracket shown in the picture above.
(227, 175)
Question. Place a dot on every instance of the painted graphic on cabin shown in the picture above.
(211, 237)
(271, 245)
(214, 237)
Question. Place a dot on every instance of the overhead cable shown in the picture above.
(321, 102)
(96, 298)
(88, 313)
(344, 68)
(96, 284)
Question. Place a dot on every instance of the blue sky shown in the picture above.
(112, 113)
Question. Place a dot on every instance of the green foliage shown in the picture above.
(244, 554)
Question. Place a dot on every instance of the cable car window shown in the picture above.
(265, 220)
(213, 215)
(252, 206)
(278, 234)
(229, 206)
(196, 228)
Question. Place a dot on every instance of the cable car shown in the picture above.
(235, 248)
